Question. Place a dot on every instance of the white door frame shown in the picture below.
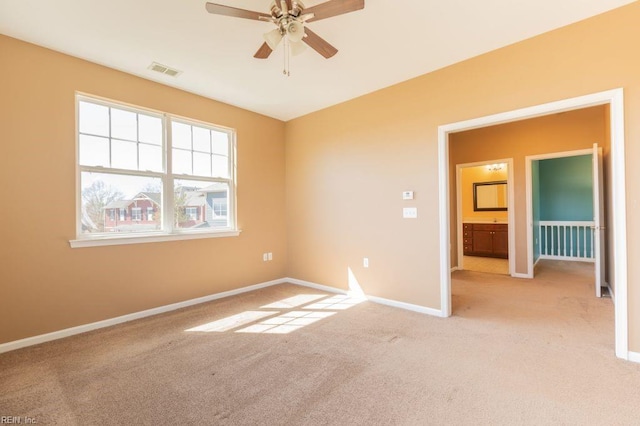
(510, 209)
(528, 160)
(615, 99)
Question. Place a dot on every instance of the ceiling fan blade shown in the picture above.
(289, 6)
(333, 8)
(220, 9)
(263, 52)
(318, 44)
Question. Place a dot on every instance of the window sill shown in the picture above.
(141, 239)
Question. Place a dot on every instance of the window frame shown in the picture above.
(136, 214)
(192, 213)
(168, 231)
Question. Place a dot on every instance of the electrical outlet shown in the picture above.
(270, 256)
(365, 262)
(265, 257)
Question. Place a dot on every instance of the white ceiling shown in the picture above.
(387, 42)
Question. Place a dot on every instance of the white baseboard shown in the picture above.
(456, 268)
(315, 286)
(519, 275)
(634, 356)
(374, 299)
(30, 341)
(613, 296)
(406, 306)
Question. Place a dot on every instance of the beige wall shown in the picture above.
(348, 165)
(471, 175)
(567, 131)
(44, 284)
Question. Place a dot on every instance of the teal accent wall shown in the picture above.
(535, 187)
(566, 188)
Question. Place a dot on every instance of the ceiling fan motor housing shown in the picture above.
(288, 21)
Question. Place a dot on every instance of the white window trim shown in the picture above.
(175, 234)
(149, 238)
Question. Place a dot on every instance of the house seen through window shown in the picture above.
(147, 172)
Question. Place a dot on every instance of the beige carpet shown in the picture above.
(515, 352)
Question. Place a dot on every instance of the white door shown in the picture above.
(598, 219)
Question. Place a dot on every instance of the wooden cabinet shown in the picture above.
(485, 239)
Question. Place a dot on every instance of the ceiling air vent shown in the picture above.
(164, 69)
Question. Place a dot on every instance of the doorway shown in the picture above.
(565, 210)
(617, 187)
(484, 192)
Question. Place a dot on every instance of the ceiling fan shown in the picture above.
(290, 18)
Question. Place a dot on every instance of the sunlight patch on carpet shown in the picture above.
(234, 321)
(267, 320)
(286, 323)
(338, 303)
(293, 302)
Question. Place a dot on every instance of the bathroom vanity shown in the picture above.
(485, 239)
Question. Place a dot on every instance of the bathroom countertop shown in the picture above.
(502, 222)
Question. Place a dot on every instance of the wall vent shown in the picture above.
(163, 69)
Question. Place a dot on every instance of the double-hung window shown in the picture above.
(133, 160)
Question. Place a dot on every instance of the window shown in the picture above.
(220, 208)
(136, 213)
(136, 160)
(192, 213)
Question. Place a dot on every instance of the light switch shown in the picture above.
(410, 212)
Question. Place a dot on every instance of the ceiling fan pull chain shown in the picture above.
(287, 60)
(284, 58)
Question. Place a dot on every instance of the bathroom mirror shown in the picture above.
(490, 196)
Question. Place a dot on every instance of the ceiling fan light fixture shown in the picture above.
(273, 38)
(295, 31)
(297, 47)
